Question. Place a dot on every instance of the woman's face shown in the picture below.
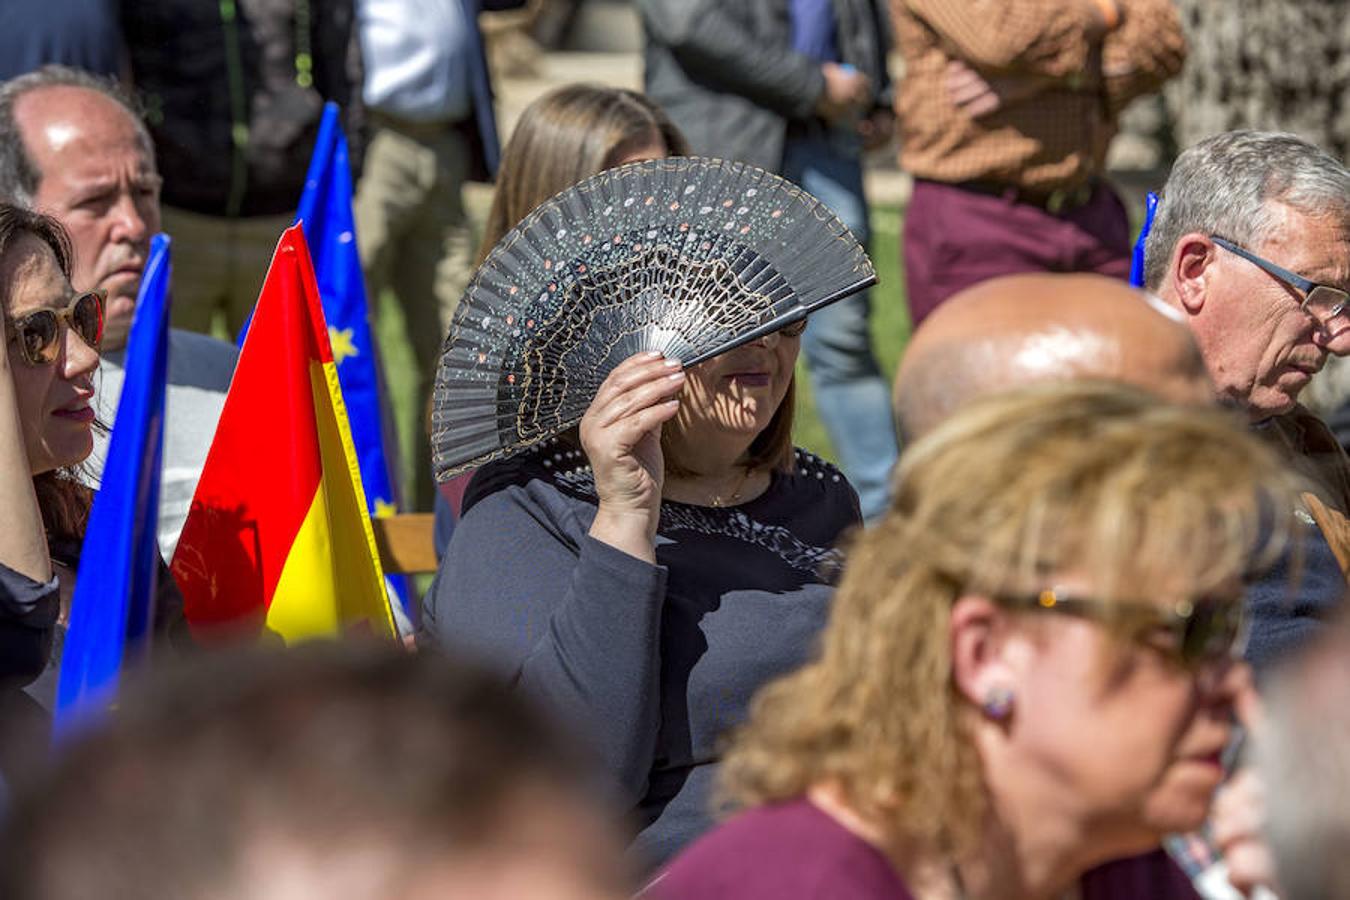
(1129, 737)
(738, 392)
(54, 397)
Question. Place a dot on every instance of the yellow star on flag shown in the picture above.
(343, 345)
(384, 509)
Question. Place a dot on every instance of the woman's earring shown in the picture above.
(998, 703)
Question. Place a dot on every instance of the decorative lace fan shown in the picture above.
(688, 256)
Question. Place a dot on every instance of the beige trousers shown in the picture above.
(415, 241)
(218, 265)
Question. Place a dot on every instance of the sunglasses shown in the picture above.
(796, 329)
(39, 332)
(1200, 632)
(1321, 301)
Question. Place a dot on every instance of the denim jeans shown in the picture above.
(852, 398)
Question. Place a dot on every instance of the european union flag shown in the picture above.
(113, 606)
(326, 212)
(1137, 264)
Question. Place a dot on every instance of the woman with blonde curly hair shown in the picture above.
(1030, 666)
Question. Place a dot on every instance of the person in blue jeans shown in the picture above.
(795, 87)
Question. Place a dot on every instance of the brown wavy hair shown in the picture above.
(1013, 490)
(62, 499)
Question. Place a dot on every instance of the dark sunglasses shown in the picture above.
(1321, 301)
(1201, 631)
(39, 332)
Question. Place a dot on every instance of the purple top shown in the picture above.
(789, 851)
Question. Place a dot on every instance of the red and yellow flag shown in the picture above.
(278, 538)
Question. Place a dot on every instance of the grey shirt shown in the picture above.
(653, 663)
(200, 369)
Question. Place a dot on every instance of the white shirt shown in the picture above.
(416, 58)
(200, 368)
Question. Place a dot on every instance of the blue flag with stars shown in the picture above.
(326, 212)
(113, 606)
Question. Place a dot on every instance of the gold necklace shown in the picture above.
(718, 503)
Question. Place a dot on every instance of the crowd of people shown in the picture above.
(1067, 620)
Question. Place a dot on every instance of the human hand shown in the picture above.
(980, 96)
(1105, 15)
(847, 92)
(1238, 816)
(877, 129)
(621, 434)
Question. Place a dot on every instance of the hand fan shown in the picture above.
(688, 256)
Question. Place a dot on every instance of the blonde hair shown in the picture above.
(1148, 499)
(564, 137)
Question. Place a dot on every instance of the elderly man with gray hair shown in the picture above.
(1251, 245)
(73, 145)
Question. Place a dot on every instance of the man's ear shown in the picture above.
(1192, 269)
(981, 669)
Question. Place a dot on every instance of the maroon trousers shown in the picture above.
(955, 237)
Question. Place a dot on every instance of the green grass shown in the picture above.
(890, 332)
(890, 327)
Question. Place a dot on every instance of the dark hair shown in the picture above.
(63, 500)
(321, 750)
(19, 175)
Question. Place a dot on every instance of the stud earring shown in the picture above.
(998, 703)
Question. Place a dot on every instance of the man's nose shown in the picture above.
(130, 224)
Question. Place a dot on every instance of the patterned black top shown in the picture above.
(652, 663)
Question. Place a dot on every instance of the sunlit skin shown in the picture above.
(1260, 348)
(728, 400)
(53, 398)
(1024, 329)
(98, 178)
(1109, 744)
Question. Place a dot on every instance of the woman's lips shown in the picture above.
(83, 414)
(751, 379)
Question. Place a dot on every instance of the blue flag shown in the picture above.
(1137, 265)
(113, 606)
(326, 212)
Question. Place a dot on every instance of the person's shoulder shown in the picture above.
(812, 475)
(552, 473)
(199, 360)
(782, 850)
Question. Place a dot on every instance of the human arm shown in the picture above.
(711, 43)
(571, 610)
(1056, 38)
(1141, 55)
(568, 619)
(29, 595)
(23, 540)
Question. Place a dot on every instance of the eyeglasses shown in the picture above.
(39, 332)
(794, 330)
(1202, 631)
(1321, 301)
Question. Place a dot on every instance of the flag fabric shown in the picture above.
(113, 606)
(325, 211)
(278, 538)
(1137, 264)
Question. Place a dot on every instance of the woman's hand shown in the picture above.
(621, 434)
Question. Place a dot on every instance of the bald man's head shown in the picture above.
(1021, 329)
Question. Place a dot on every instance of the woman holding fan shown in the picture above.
(644, 578)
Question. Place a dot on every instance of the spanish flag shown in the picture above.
(277, 538)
